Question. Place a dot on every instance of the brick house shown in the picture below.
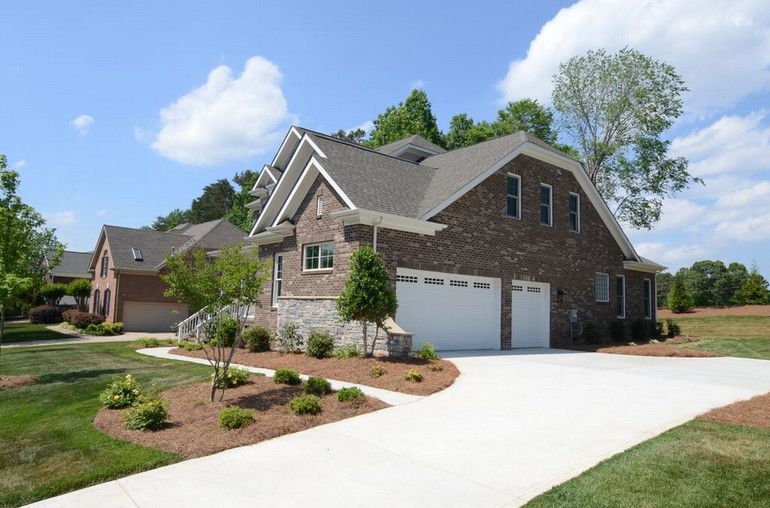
(498, 245)
(126, 265)
(72, 265)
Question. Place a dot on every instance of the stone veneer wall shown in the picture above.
(310, 314)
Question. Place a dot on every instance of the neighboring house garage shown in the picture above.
(152, 317)
(449, 310)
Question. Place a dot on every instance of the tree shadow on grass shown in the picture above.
(75, 376)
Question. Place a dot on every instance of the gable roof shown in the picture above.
(72, 264)
(415, 140)
(157, 245)
(373, 181)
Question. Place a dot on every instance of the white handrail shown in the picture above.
(193, 325)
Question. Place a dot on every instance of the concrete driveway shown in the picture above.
(513, 425)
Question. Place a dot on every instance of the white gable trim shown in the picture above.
(403, 148)
(292, 134)
(564, 162)
(301, 188)
(647, 267)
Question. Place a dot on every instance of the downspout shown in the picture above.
(374, 234)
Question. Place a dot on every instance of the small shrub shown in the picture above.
(288, 339)
(104, 329)
(413, 376)
(350, 394)
(347, 351)
(639, 330)
(225, 331)
(235, 418)
(257, 339)
(190, 346)
(428, 352)
(235, 376)
(287, 377)
(436, 367)
(81, 319)
(617, 329)
(45, 314)
(305, 405)
(318, 386)
(148, 342)
(320, 344)
(656, 330)
(378, 371)
(590, 333)
(673, 328)
(122, 392)
(148, 414)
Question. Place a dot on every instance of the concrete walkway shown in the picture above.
(513, 425)
(392, 398)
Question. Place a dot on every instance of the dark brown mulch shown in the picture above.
(663, 348)
(744, 310)
(754, 412)
(8, 382)
(192, 428)
(353, 370)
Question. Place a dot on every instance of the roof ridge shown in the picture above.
(362, 147)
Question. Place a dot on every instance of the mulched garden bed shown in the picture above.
(663, 348)
(754, 412)
(353, 370)
(8, 382)
(192, 428)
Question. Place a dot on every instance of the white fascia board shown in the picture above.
(264, 178)
(291, 135)
(259, 193)
(273, 234)
(561, 161)
(643, 267)
(388, 221)
(254, 205)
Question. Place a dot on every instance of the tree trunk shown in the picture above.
(366, 349)
(374, 340)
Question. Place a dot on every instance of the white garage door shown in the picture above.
(451, 311)
(152, 317)
(530, 314)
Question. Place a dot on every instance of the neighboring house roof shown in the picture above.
(415, 140)
(72, 264)
(372, 180)
(155, 246)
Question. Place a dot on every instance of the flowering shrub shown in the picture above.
(235, 377)
(148, 414)
(123, 392)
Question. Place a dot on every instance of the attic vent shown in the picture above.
(137, 254)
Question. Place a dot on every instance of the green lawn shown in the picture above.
(25, 332)
(747, 336)
(700, 464)
(48, 445)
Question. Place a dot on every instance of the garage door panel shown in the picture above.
(530, 314)
(152, 317)
(449, 310)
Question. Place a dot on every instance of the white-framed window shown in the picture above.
(546, 204)
(574, 212)
(319, 256)
(277, 278)
(602, 287)
(647, 299)
(513, 198)
(620, 296)
(319, 206)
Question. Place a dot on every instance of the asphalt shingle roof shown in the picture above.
(73, 264)
(415, 140)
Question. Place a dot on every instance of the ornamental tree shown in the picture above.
(679, 299)
(367, 296)
(232, 277)
(52, 293)
(80, 290)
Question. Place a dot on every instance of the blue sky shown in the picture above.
(116, 113)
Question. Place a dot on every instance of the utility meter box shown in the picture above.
(573, 315)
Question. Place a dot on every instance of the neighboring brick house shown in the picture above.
(126, 265)
(502, 244)
(72, 265)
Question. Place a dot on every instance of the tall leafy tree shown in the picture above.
(663, 283)
(525, 115)
(25, 243)
(214, 203)
(353, 135)
(238, 213)
(463, 131)
(615, 108)
(755, 288)
(413, 116)
(174, 218)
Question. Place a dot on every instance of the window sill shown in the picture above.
(317, 271)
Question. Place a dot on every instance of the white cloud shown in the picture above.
(721, 47)
(101, 213)
(18, 164)
(672, 257)
(82, 123)
(367, 126)
(227, 118)
(418, 83)
(65, 218)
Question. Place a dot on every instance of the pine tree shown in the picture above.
(679, 299)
